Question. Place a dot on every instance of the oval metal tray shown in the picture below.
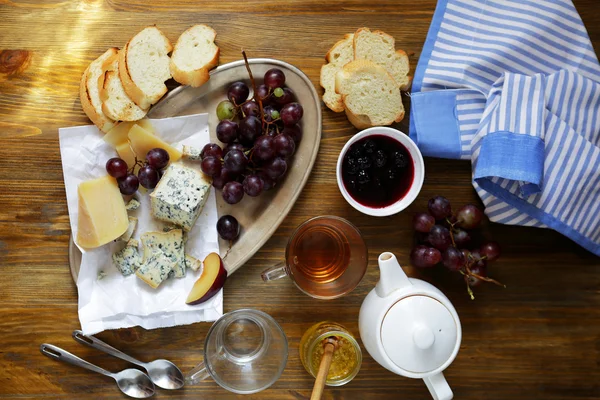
(259, 216)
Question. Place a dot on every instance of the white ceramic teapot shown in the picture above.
(410, 328)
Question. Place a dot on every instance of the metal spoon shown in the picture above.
(163, 373)
(132, 382)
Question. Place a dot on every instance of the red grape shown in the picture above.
(212, 150)
(251, 108)
(469, 216)
(439, 207)
(268, 182)
(467, 255)
(238, 93)
(439, 237)
(233, 146)
(235, 161)
(490, 250)
(211, 166)
(284, 145)
(227, 131)
(287, 96)
(423, 222)
(270, 113)
(228, 227)
(291, 113)
(116, 167)
(250, 128)
(481, 271)
(253, 185)
(157, 158)
(129, 184)
(220, 180)
(294, 131)
(477, 260)
(461, 238)
(425, 257)
(264, 148)
(262, 92)
(148, 177)
(453, 259)
(276, 168)
(274, 78)
(232, 192)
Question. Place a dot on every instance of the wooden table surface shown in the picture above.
(538, 338)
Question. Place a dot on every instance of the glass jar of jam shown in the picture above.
(347, 356)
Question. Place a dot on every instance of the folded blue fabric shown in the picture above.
(513, 86)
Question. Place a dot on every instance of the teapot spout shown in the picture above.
(391, 275)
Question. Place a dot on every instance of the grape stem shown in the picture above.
(255, 96)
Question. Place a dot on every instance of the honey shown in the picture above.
(347, 356)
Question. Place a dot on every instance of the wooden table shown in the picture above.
(539, 338)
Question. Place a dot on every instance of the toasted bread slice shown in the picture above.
(89, 93)
(339, 55)
(144, 66)
(194, 54)
(370, 94)
(379, 47)
(115, 102)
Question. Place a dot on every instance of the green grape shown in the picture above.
(225, 110)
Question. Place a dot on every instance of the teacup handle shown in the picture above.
(438, 387)
(199, 373)
(277, 271)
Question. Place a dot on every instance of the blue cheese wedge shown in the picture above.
(132, 205)
(125, 237)
(170, 244)
(155, 269)
(192, 153)
(193, 263)
(180, 195)
(128, 259)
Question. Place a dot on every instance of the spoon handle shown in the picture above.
(62, 355)
(98, 344)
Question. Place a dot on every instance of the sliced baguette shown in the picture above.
(144, 66)
(339, 55)
(194, 54)
(379, 47)
(89, 93)
(371, 96)
(115, 102)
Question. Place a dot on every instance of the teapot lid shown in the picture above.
(419, 334)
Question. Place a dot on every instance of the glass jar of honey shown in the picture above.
(347, 356)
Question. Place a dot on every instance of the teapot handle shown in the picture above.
(438, 387)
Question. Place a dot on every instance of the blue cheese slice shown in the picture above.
(155, 269)
(180, 195)
(128, 259)
(125, 237)
(132, 205)
(192, 153)
(170, 244)
(193, 263)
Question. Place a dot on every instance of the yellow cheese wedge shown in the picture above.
(125, 151)
(118, 134)
(102, 214)
(143, 141)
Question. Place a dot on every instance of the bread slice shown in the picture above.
(144, 66)
(115, 102)
(371, 96)
(89, 92)
(339, 55)
(379, 47)
(194, 54)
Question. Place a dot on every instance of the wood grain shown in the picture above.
(538, 338)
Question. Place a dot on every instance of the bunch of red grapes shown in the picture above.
(260, 134)
(148, 174)
(445, 237)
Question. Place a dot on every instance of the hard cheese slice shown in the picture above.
(143, 141)
(118, 134)
(102, 214)
(125, 151)
(179, 196)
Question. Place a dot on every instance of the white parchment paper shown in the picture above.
(108, 300)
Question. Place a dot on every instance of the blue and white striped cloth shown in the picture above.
(514, 86)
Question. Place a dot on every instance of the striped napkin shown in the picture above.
(514, 86)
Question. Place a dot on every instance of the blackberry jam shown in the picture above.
(377, 171)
